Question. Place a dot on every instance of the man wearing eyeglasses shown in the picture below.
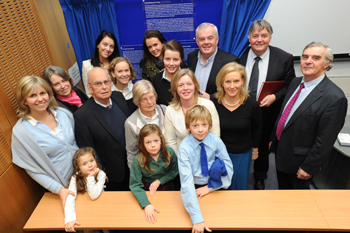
(99, 124)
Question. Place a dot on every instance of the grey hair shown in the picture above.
(329, 53)
(142, 87)
(260, 24)
(204, 26)
(50, 70)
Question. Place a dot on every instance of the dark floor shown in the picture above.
(271, 181)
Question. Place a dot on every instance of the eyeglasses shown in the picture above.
(99, 84)
(145, 100)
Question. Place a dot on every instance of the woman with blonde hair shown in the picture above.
(240, 121)
(185, 89)
(43, 141)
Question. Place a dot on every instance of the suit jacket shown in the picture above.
(93, 130)
(281, 67)
(309, 135)
(221, 59)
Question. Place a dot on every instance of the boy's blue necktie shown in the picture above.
(204, 160)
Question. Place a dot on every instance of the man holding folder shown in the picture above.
(266, 63)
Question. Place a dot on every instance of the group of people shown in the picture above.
(201, 124)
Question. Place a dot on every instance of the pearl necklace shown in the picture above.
(231, 105)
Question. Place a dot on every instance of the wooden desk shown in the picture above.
(311, 210)
(335, 207)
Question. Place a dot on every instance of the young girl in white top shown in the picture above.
(87, 177)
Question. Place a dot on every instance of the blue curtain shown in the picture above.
(237, 16)
(85, 19)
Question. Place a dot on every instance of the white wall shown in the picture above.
(339, 74)
(298, 22)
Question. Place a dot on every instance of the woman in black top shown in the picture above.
(173, 58)
(240, 121)
(67, 95)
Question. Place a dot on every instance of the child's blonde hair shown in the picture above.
(197, 112)
(143, 153)
(80, 179)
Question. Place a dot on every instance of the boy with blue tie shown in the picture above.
(204, 164)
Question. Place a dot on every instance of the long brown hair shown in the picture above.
(143, 153)
(79, 178)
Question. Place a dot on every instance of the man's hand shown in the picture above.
(199, 228)
(268, 100)
(153, 187)
(204, 94)
(255, 153)
(202, 191)
(302, 175)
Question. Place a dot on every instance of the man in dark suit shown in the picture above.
(99, 124)
(207, 61)
(274, 64)
(313, 112)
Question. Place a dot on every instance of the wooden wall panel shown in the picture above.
(53, 22)
(5, 144)
(19, 196)
(23, 50)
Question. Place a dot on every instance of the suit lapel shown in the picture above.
(194, 63)
(273, 63)
(215, 68)
(121, 103)
(289, 93)
(244, 57)
(316, 93)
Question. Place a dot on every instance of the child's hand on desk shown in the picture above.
(149, 213)
(153, 187)
(69, 227)
(202, 191)
(199, 227)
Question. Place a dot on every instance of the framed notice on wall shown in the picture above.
(175, 19)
